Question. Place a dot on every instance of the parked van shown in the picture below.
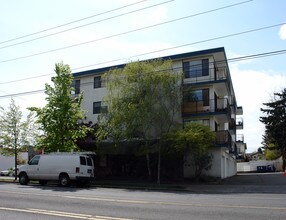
(62, 167)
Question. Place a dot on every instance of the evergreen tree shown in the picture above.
(275, 123)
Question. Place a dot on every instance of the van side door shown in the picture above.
(33, 168)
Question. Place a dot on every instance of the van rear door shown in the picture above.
(86, 166)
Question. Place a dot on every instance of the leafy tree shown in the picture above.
(143, 101)
(196, 140)
(15, 134)
(275, 123)
(59, 118)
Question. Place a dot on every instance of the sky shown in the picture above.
(35, 35)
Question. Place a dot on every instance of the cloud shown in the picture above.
(252, 88)
(282, 32)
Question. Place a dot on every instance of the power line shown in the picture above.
(156, 51)
(84, 25)
(236, 59)
(123, 33)
(183, 45)
(72, 22)
(22, 93)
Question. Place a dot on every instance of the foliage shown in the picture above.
(275, 123)
(59, 118)
(271, 153)
(194, 139)
(15, 134)
(143, 101)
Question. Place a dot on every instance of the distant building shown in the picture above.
(9, 162)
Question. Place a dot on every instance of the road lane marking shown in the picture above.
(63, 214)
(154, 202)
(178, 203)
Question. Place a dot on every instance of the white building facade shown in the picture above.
(210, 100)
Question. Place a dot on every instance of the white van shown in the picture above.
(62, 167)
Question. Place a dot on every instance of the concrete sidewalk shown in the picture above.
(242, 183)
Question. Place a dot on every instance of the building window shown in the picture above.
(98, 108)
(201, 95)
(197, 68)
(77, 86)
(97, 82)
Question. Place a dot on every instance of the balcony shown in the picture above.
(239, 110)
(199, 75)
(239, 138)
(208, 106)
(239, 123)
(223, 139)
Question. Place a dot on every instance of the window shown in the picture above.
(89, 162)
(196, 68)
(77, 86)
(97, 82)
(201, 95)
(98, 108)
(34, 160)
(82, 160)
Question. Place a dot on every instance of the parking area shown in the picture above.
(270, 179)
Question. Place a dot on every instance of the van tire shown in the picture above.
(64, 180)
(23, 179)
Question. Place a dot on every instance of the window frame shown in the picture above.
(77, 86)
(97, 82)
(196, 68)
(96, 109)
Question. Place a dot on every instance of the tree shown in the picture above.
(196, 140)
(15, 134)
(59, 118)
(143, 101)
(275, 123)
(271, 152)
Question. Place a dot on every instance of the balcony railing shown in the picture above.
(239, 110)
(219, 106)
(240, 138)
(199, 75)
(239, 123)
(223, 138)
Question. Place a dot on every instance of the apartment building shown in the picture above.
(209, 98)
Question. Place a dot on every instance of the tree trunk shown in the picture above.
(159, 166)
(16, 173)
(283, 158)
(148, 165)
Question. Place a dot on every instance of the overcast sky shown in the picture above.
(92, 34)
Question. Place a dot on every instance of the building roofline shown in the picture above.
(170, 57)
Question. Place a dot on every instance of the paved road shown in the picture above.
(226, 202)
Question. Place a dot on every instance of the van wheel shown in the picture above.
(43, 182)
(23, 179)
(64, 180)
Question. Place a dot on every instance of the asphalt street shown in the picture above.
(251, 196)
